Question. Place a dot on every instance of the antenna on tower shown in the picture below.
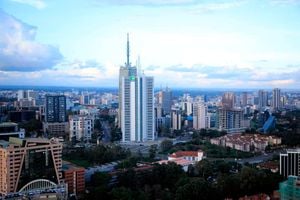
(128, 50)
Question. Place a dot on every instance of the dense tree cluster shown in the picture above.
(288, 127)
(31, 126)
(97, 155)
(211, 150)
(206, 180)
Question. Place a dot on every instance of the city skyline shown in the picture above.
(182, 43)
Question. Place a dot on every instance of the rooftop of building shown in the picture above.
(293, 150)
(246, 138)
(178, 161)
(70, 166)
(21, 142)
(180, 154)
(4, 144)
(272, 165)
(80, 116)
(8, 124)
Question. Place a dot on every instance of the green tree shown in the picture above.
(204, 168)
(197, 188)
(116, 134)
(166, 145)
(152, 151)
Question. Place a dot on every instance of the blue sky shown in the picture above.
(182, 43)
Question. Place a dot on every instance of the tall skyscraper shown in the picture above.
(55, 108)
(276, 103)
(262, 99)
(136, 103)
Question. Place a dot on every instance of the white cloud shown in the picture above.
(18, 49)
(39, 4)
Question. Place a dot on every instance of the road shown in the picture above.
(258, 159)
(252, 160)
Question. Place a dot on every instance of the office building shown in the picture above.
(25, 162)
(136, 103)
(262, 99)
(244, 99)
(84, 99)
(165, 100)
(276, 99)
(26, 94)
(55, 124)
(74, 178)
(290, 163)
(230, 120)
(228, 100)
(81, 127)
(56, 129)
(55, 108)
(200, 117)
(187, 107)
(10, 129)
(290, 189)
(176, 119)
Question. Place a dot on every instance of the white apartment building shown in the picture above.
(81, 127)
(201, 120)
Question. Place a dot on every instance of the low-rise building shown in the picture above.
(246, 142)
(194, 156)
(269, 165)
(74, 177)
(179, 161)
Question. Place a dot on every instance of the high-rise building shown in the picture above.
(290, 163)
(26, 161)
(176, 119)
(84, 99)
(55, 124)
(136, 103)
(187, 107)
(276, 103)
(229, 120)
(262, 99)
(200, 117)
(165, 100)
(26, 94)
(228, 100)
(55, 108)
